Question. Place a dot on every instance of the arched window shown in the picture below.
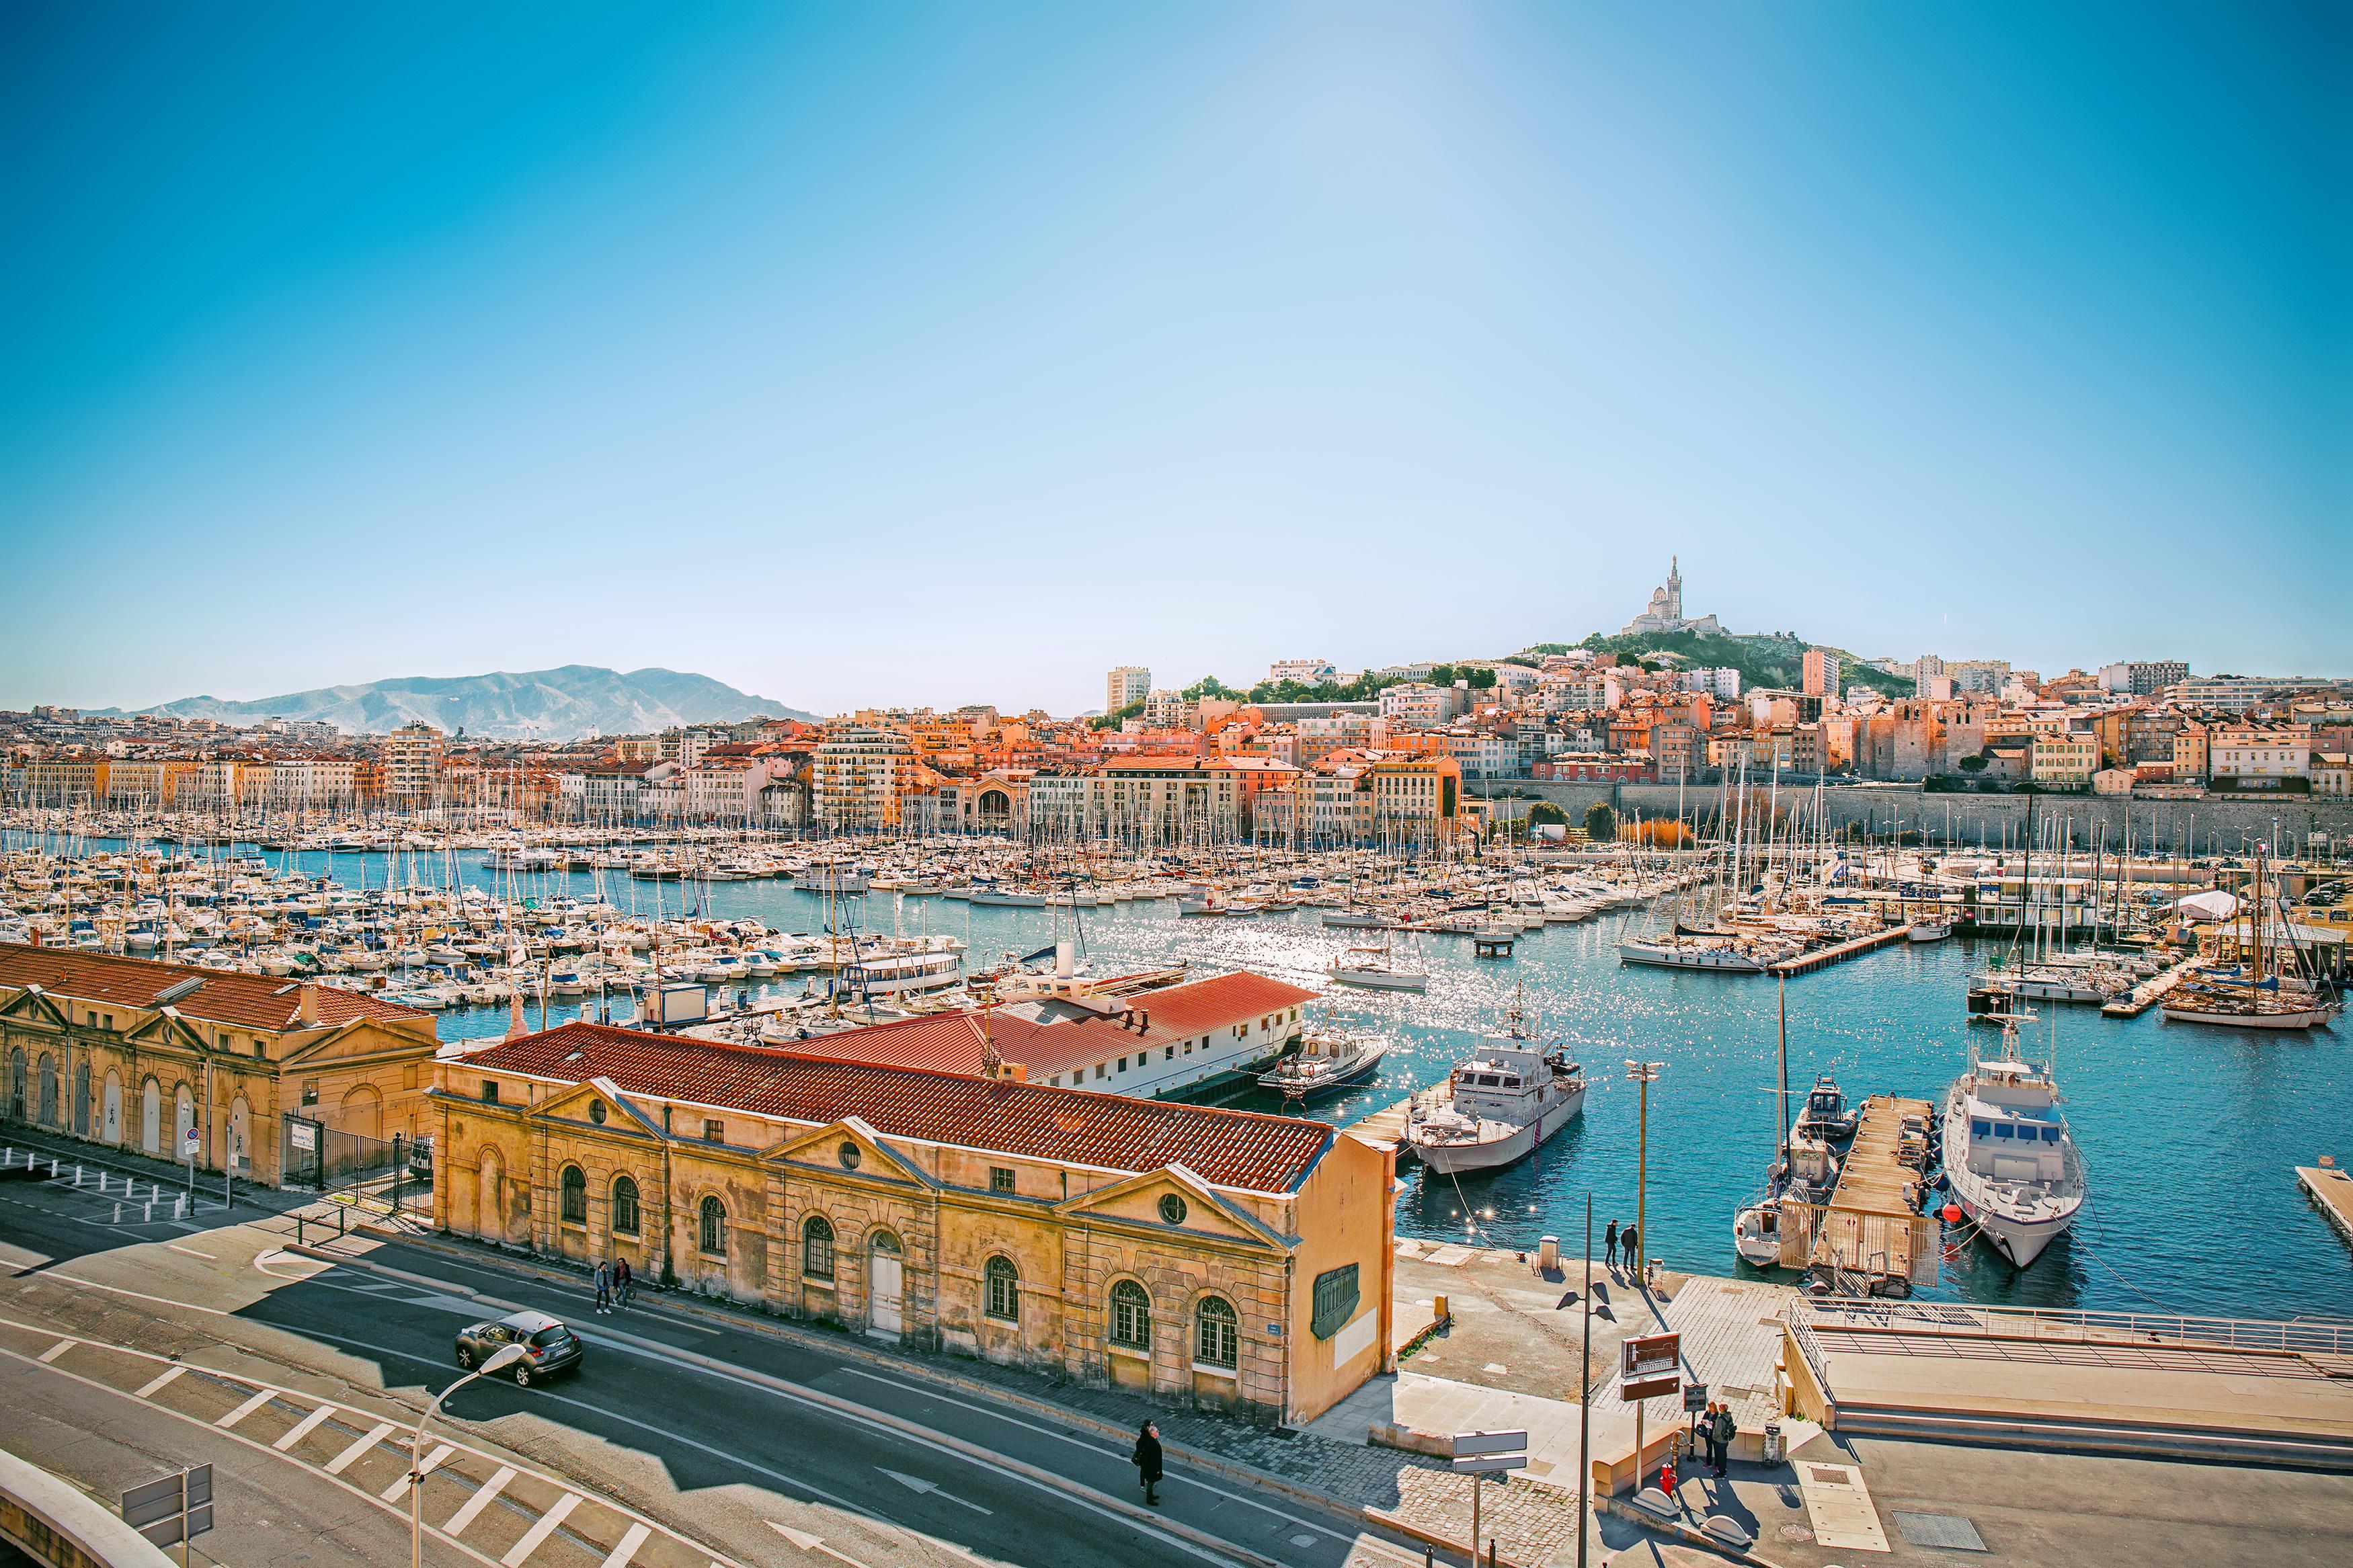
(1002, 1298)
(81, 1099)
(625, 1206)
(572, 1206)
(817, 1248)
(714, 1228)
(49, 1113)
(1216, 1340)
(17, 1083)
(1131, 1316)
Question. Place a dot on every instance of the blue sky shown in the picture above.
(897, 353)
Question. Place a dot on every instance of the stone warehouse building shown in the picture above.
(133, 1054)
(1218, 1256)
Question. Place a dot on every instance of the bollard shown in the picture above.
(118, 1213)
(180, 1207)
(53, 1168)
(77, 1175)
(298, 1229)
(147, 1214)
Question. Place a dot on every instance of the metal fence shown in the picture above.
(312, 1154)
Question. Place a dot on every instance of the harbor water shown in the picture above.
(2190, 1132)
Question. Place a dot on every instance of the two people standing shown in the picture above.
(1629, 1241)
(613, 1283)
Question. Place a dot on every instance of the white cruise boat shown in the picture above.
(2010, 1163)
(1372, 969)
(1507, 1100)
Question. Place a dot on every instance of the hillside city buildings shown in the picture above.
(1399, 763)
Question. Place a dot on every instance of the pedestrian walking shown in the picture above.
(622, 1280)
(1727, 1429)
(1147, 1462)
(1610, 1244)
(604, 1287)
(1629, 1244)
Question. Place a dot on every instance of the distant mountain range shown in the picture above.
(540, 704)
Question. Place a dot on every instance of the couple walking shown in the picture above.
(613, 1283)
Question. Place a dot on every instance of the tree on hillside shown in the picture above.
(1481, 679)
(1601, 823)
(1544, 814)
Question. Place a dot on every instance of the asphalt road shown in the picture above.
(793, 1455)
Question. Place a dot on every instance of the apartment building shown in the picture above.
(856, 777)
(1128, 683)
(1820, 673)
(412, 763)
(2259, 755)
(2064, 760)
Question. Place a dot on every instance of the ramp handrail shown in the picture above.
(2320, 1336)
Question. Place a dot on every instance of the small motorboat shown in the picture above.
(1325, 1064)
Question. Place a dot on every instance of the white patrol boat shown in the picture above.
(1505, 1101)
(2010, 1162)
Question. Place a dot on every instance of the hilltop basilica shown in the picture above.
(1666, 611)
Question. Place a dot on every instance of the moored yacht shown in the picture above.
(1506, 1101)
(2010, 1162)
(1325, 1064)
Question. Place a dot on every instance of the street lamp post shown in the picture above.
(498, 1360)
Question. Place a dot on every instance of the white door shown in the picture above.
(113, 1124)
(150, 1120)
(883, 1276)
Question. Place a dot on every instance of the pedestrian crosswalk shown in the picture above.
(493, 1510)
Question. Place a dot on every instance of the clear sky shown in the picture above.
(896, 353)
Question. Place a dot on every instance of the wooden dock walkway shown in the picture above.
(1873, 1227)
(1383, 1126)
(2331, 1188)
(1823, 955)
(2148, 992)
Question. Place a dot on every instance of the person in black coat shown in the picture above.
(1629, 1244)
(1610, 1244)
(1147, 1462)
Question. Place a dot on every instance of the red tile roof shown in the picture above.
(952, 1042)
(246, 1000)
(1229, 1148)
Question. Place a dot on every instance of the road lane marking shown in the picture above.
(155, 1384)
(482, 1499)
(918, 1484)
(56, 1351)
(192, 1252)
(634, 1538)
(432, 1463)
(245, 1409)
(522, 1548)
(136, 1295)
(401, 1515)
(361, 1445)
(1174, 1476)
(304, 1427)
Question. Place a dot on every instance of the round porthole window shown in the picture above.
(850, 1156)
(1171, 1208)
(597, 1112)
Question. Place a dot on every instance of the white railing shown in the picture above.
(2317, 1336)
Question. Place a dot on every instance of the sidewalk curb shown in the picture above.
(899, 1424)
(1201, 1460)
(1686, 1533)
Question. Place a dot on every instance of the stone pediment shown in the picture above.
(850, 1148)
(582, 1102)
(356, 1040)
(1197, 1209)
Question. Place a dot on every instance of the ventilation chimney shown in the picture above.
(1066, 959)
(306, 1010)
(1145, 1026)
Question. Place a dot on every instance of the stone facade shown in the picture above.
(898, 1237)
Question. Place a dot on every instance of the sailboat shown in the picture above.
(2254, 998)
(1805, 1167)
(1376, 969)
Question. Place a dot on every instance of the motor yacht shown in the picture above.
(2010, 1161)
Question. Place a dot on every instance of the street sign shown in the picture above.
(190, 1141)
(1492, 1462)
(1468, 1445)
(1648, 1388)
(1651, 1355)
(158, 1510)
(1695, 1396)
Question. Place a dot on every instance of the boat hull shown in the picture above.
(1493, 1154)
(1715, 958)
(2303, 1018)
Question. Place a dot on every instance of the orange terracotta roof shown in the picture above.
(952, 1042)
(1228, 1148)
(246, 1000)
